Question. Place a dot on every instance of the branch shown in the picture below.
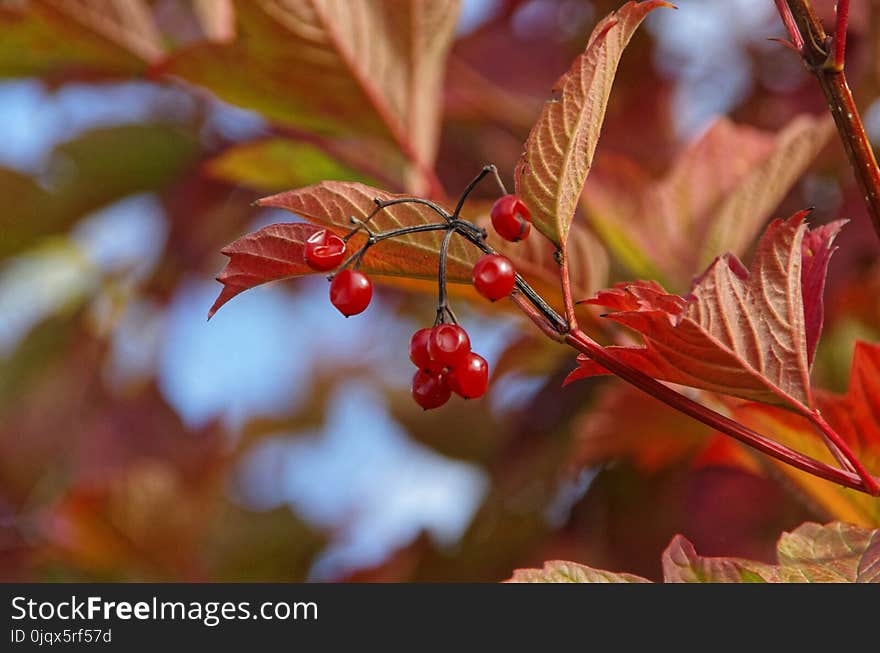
(828, 67)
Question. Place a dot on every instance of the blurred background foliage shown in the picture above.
(278, 441)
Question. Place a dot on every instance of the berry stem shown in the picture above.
(487, 169)
(442, 306)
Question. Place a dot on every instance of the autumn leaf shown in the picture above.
(834, 553)
(812, 553)
(559, 150)
(855, 416)
(273, 164)
(332, 204)
(78, 38)
(276, 252)
(716, 197)
(559, 571)
(739, 332)
(370, 68)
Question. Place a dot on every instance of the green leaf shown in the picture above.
(559, 150)
(95, 169)
(273, 164)
(52, 38)
(559, 571)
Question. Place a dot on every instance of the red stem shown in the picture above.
(790, 26)
(840, 33)
(584, 344)
(567, 298)
(838, 444)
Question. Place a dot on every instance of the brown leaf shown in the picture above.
(559, 150)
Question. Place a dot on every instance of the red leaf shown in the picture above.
(276, 252)
(272, 253)
(817, 251)
(738, 333)
(855, 416)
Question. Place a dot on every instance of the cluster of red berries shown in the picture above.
(445, 365)
(443, 353)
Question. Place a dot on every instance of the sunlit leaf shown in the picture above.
(271, 165)
(559, 571)
(559, 150)
(739, 332)
(717, 196)
(834, 553)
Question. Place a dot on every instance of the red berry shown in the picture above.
(351, 292)
(448, 344)
(470, 378)
(324, 250)
(511, 218)
(494, 276)
(418, 349)
(429, 389)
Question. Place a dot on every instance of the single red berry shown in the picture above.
(494, 276)
(511, 218)
(429, 389)
(470, 378)
(324, 250)
(448, 344)
(351, 292)
(418, 349)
